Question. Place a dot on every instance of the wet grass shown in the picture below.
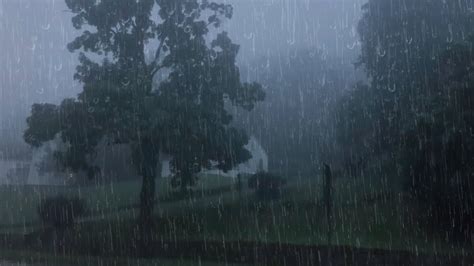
(378, 217)
(18, 204)
(368, 214)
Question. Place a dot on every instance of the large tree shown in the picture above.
(157, 75)
(400, 45)
(439, 151)
(418, 105)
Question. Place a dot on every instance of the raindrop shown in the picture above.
(249, 36)
(125, 82)
(392, 88)
(352, 46)
(323, 81)
(126, 21)
(380, 51)
(213, 56)
(353, 31)
(90, 109)
(187, 29)
(450, 38)
(46, 26)
(40, 90)
(58, 67)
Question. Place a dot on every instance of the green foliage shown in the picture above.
(60, 211)
(43, 124)
(401, 47)
(124, 46)
(415, 117)
(401, 42)
(439, 151)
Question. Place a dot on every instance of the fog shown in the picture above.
(37, 67)
(254, 132)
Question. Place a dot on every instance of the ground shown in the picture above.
(367, 214)
(18, 204)
(40, 259)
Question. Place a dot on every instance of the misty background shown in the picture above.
(351, 126)
(37, 67)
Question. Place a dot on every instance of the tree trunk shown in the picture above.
(147, 159)
(328, 199)
(147, 199)
(147, 204)
(186, 181)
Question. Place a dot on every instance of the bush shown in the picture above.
(60, 211)
(267, 186)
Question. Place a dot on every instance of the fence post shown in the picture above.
(328, 202)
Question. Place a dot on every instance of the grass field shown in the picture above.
(367, 213)
(18, 204)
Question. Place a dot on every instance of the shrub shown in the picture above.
(267, 186)
(61, 211)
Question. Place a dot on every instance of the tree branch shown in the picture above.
(155, 67)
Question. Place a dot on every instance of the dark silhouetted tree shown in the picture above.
(401, 41)
(157, 75)
(438, 153)
(418, 104)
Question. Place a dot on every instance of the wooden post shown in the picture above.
(328, 202)
(239, 186)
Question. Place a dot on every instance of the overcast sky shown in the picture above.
(37, 67)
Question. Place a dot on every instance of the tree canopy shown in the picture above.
(400, 46)
(415, 115)
(157, 75)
